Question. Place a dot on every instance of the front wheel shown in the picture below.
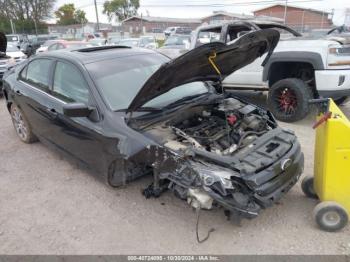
(330, 216)
(288, 99)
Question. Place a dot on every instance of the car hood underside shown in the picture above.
(209, 62)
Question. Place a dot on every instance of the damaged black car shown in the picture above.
(127, 112)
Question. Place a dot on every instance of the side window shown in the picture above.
(52, 47)
(60, 46)
(208, 36)
(37, 73)
(69, 85)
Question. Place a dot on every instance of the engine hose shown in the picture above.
(198, 209)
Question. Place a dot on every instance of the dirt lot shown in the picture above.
(49, 206)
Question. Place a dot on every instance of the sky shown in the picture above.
(200, 8)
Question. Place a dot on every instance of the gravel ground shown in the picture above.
(50, 206)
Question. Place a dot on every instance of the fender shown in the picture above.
(313, 58)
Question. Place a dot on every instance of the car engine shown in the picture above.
(223, 130)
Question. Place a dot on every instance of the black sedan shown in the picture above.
(127, 112)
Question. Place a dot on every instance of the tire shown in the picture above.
(21, 125)
(330, 216)
(307, 185)
(288, 99)
(341, 100)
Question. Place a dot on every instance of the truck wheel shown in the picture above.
(307, 185)
(288, 99)
(21, 125)
(330, 216)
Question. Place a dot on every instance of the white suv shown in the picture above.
(299, 69)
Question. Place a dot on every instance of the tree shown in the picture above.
(80, 17)
(68, 15)
(122, 9)
(25, 14)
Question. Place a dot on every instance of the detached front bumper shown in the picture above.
(333, 83)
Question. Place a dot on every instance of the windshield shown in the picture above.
(176, 40)
(12, 38)
(11, 48)
(120, 79)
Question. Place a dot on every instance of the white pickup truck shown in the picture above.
(299, 69)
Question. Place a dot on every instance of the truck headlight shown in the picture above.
(343, 50)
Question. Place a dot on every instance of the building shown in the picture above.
(151, 24)
(301, 19)
(78, 30)
(219, 17)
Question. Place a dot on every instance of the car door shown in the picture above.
(31, 94)
(77, 136)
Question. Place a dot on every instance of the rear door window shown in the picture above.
(37, 73)
(52, 47)
(69, 84)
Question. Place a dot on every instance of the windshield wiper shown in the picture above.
(184, 100)
(148, 109)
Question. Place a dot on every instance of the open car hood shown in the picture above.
(3, 44)
(209, 62)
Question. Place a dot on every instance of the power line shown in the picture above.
(210, 4)
(227, 4)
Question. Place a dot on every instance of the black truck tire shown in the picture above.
(288, 99)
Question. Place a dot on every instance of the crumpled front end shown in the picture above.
(227, 154)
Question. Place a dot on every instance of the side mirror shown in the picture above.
(76, 110)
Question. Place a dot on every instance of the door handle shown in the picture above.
(18, 93)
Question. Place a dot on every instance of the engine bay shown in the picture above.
(222, 129)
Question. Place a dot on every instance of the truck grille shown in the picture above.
(344, 50)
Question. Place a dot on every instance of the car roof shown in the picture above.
(95, 54)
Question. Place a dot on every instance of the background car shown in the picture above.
(45, 46)
(175, 45)
(131, 42)
(98, 41)
(148, 42)
(63, 44)
(13, 57)
(15, 53)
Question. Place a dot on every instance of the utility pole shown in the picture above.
(12, 27)
(141, 25)
(98, 22)
(36, 27)
(285, 11)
